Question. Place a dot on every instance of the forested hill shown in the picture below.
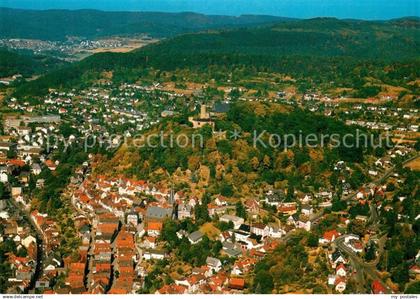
(393, 40)
(58, 24)
(322, 50)
(12, 63)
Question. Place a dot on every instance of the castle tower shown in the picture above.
(203, 112)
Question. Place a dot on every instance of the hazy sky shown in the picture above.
(361, 9)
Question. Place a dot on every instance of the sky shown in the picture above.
(358, 9)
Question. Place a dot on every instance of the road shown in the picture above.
(39, 243)
(362, 267)
(386, 175)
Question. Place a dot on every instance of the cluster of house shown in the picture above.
(22, 261)
(17, 173)
(340, 266)
(369, 115)
(142, 208)
(338, 262)
(401, 119)
(48, 228)
(70, 49)
(107, 259)
(27, 136)
(101, 111)
(212, 279)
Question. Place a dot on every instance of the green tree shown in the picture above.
(169, 230)
(201, 214)
(226, 190)
(413, 288)
(313, 240)
(263, 283)
(240, 210)
(370, 252)
(400, 274)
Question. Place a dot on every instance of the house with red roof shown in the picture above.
(340, 284)
(378, 287)
(16, 163)
(153, 228)
(414, 271)
(106, 230)
(101, 267)
(340, 270)
(288, 209)
(237, 283)
(172, 289)
(252, 206)
(51, 165)
(124, 240)
(329, 236)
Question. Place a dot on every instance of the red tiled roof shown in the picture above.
(124, 239)
(377, 287)
(107, 227)
(329, 235)
(50, 164)
(286, 209)
(237, 283)
(339, 280)
(172, 289)
(154, 225)
(116, 291)
(77, 267)
(341, 266)
(75, 280)
(150, 239)
(126, 270)
(15, 162)
(103, 267)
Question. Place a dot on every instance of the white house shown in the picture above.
(28, 240)
(307, 210)
(3, 177)
(195, 237)
(237, 221)
(214, 264)
(260, 229)
(36, 169)
(153, 254)
(340, 284)
(275, 231)
(304, 225)
(340, 270)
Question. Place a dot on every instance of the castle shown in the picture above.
(203, 119)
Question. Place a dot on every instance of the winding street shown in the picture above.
(362, 267)
(39, 243)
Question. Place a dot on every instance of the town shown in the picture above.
(238, 148)
(76, 48)
(118, 235)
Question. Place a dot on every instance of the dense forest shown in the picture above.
(60, 24)
(12, 63)
(316, 51)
